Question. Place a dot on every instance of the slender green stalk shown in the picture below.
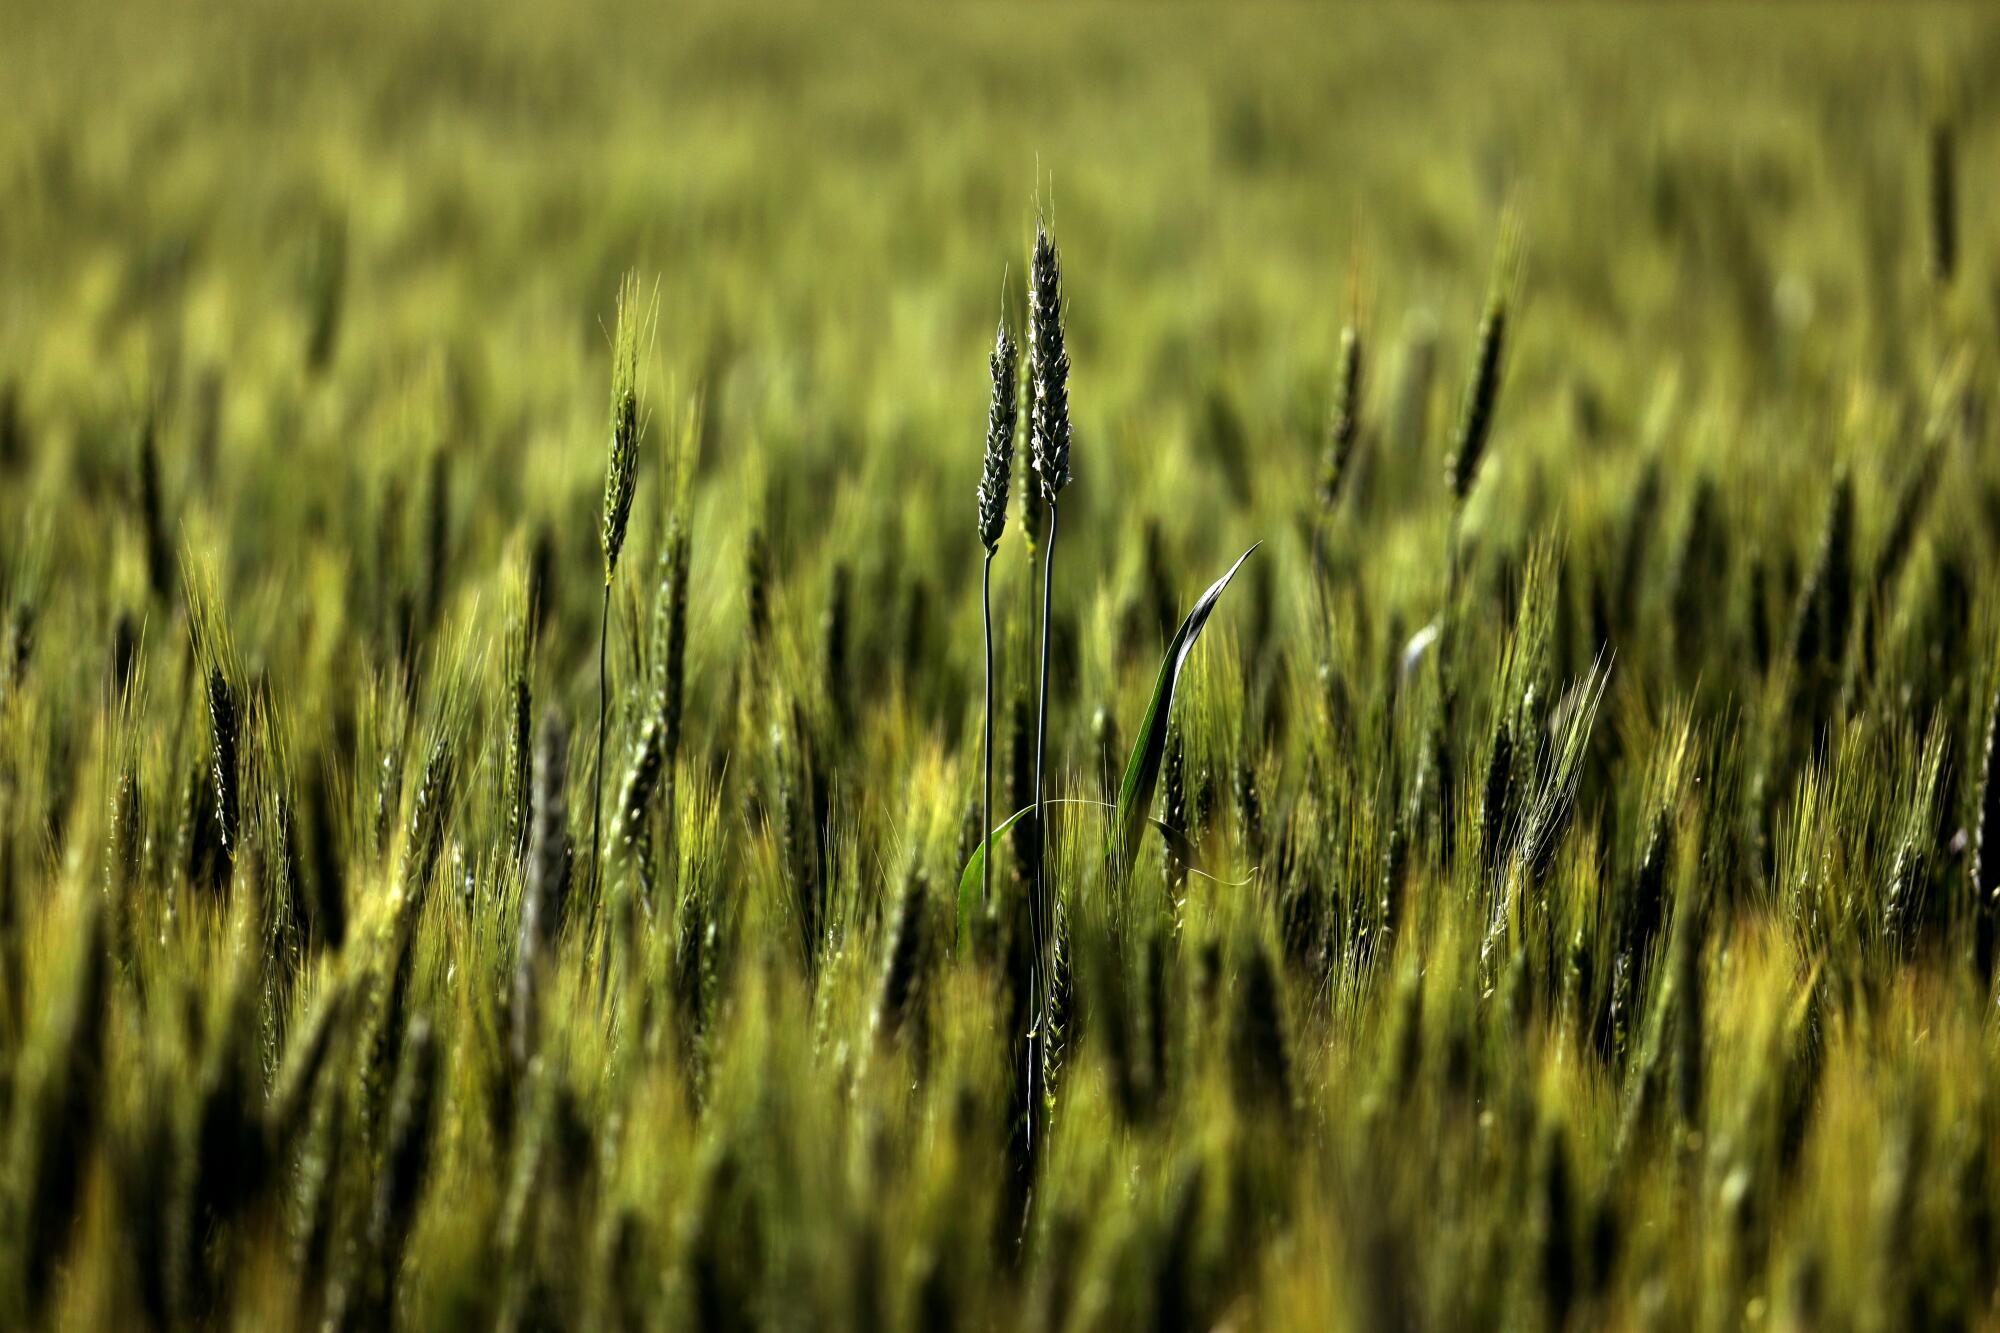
(1042, 916)
(1049, 436)
(986, 752)
(600, 918)
(995, 467)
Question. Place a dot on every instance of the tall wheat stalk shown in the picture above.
(621, 479)
(1049, 437)
(993, 479)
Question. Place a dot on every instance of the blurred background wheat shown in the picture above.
(467, 859)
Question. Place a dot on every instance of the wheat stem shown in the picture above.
(1041, 915)
(599, 918)
(986, 753)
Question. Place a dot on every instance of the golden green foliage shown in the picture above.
(1579, 905)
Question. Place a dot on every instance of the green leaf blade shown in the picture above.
(1142, 771)
(969, 879)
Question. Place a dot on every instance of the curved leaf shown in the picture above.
(1190, 856)
(1142, 772)
(969, 879)
(1182, 845)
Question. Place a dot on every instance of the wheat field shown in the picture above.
(1451, 546)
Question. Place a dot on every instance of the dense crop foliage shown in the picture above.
(472, 858)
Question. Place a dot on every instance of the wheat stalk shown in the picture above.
(621, 479)
(995, 470)
(1049, 438)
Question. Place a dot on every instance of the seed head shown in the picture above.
(223, 739)
(520, 702)
(621, 474)
(1000, 418)
(1048, 369)
(326, 284)
(547, 882)
(757, 588)
(1944, 203)
(1345, 426)
(1481, 396)
(429, 814)
(903, 965)
(1174, 802)
(642, 773)
(159, 553)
